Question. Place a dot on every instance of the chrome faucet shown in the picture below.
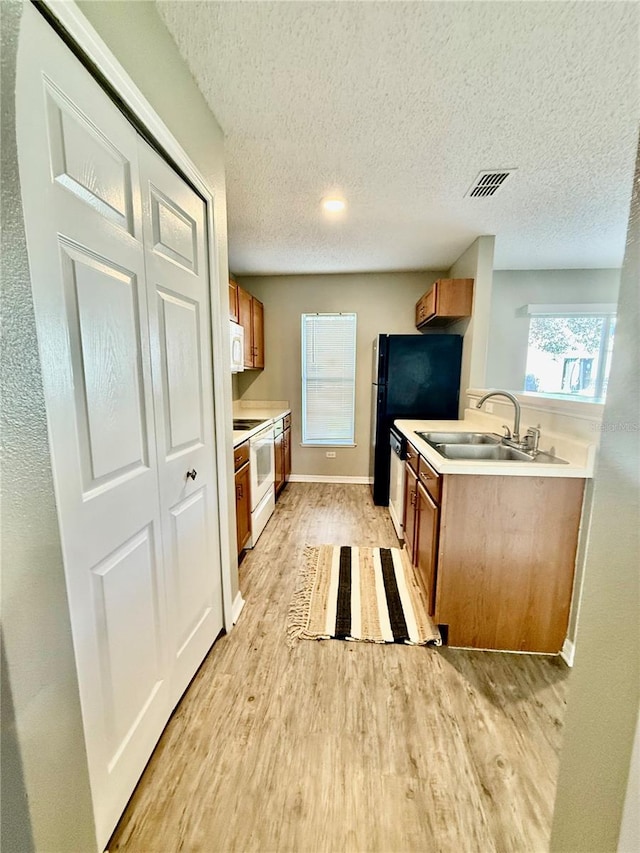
(515, 436)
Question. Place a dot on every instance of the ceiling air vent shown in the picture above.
(488, 183)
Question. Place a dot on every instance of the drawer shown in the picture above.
(430, 479)
(287, 421)
(240, 455)
(413, 457)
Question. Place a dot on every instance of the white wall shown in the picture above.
(602, 711)
(476, 263)
(384, 302)
(509, 326)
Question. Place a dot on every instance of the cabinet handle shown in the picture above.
(239, 491)
(192, 474)
(413, 498)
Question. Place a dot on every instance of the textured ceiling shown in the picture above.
(398, 106)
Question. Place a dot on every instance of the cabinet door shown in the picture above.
(257, 329)
(233, 300)
(279, 463)
(409, 521)
(244, 318)
(243, 507)
(287, 454)
(426, 544)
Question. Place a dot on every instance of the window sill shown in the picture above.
(328, 446)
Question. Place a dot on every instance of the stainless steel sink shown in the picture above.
(460, 437)
(494, 452)
(483, 451)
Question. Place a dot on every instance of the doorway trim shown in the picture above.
(78, 29)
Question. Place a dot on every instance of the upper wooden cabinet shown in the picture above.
(251, 317)
(233, 300)
(257, 332)
(448, 300)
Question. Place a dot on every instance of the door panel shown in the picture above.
(176, 269)
(174, 232)
(181, 373)
(426, 545)
(129, 626)
(102, 315)
(85, 162)
(409, 520)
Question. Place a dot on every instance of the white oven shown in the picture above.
(396, 482)
(262, 472)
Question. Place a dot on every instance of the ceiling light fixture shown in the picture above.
(333, 205)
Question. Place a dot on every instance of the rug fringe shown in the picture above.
(297, 625)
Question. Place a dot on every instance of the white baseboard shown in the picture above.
(323, 478)
(236, 608)
(568, 652)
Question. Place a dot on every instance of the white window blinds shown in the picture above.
(328, 378)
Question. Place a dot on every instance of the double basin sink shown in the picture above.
(482, 445)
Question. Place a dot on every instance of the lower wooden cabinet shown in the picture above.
(421, 522)
(410, 497)
(426, 544)
(494, 555)
(279, 463)
(506, 560)
(287, 452)
(243, 495)
(282, 453)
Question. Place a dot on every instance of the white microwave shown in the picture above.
(237, 347)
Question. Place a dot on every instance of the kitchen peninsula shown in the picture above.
(494, 542)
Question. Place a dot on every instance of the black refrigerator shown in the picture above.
(414, 377)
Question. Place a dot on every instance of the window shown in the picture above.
(328, 378)
(569, 354)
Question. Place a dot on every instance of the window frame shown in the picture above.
(605, 311)
(332, 442)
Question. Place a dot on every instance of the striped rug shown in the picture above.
(365, 594)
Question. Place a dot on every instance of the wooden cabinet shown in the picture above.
(426, 544)
(448, 300)
(421, 522)
(233, 300)
(282, 453)
(409, 520)
(494, 555)
(506, 560)
(244, 318)
(243, 495)
(250, 315)
(279, 463)
(257, 333)
(287, 452)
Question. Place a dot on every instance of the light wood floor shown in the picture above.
(334, 746)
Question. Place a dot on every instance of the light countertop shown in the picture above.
(268, 412)
(579, 454)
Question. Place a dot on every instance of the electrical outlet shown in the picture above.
(488, 407)
(331, 454)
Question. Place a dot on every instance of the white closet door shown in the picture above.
(136, 534)
(178, 296)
